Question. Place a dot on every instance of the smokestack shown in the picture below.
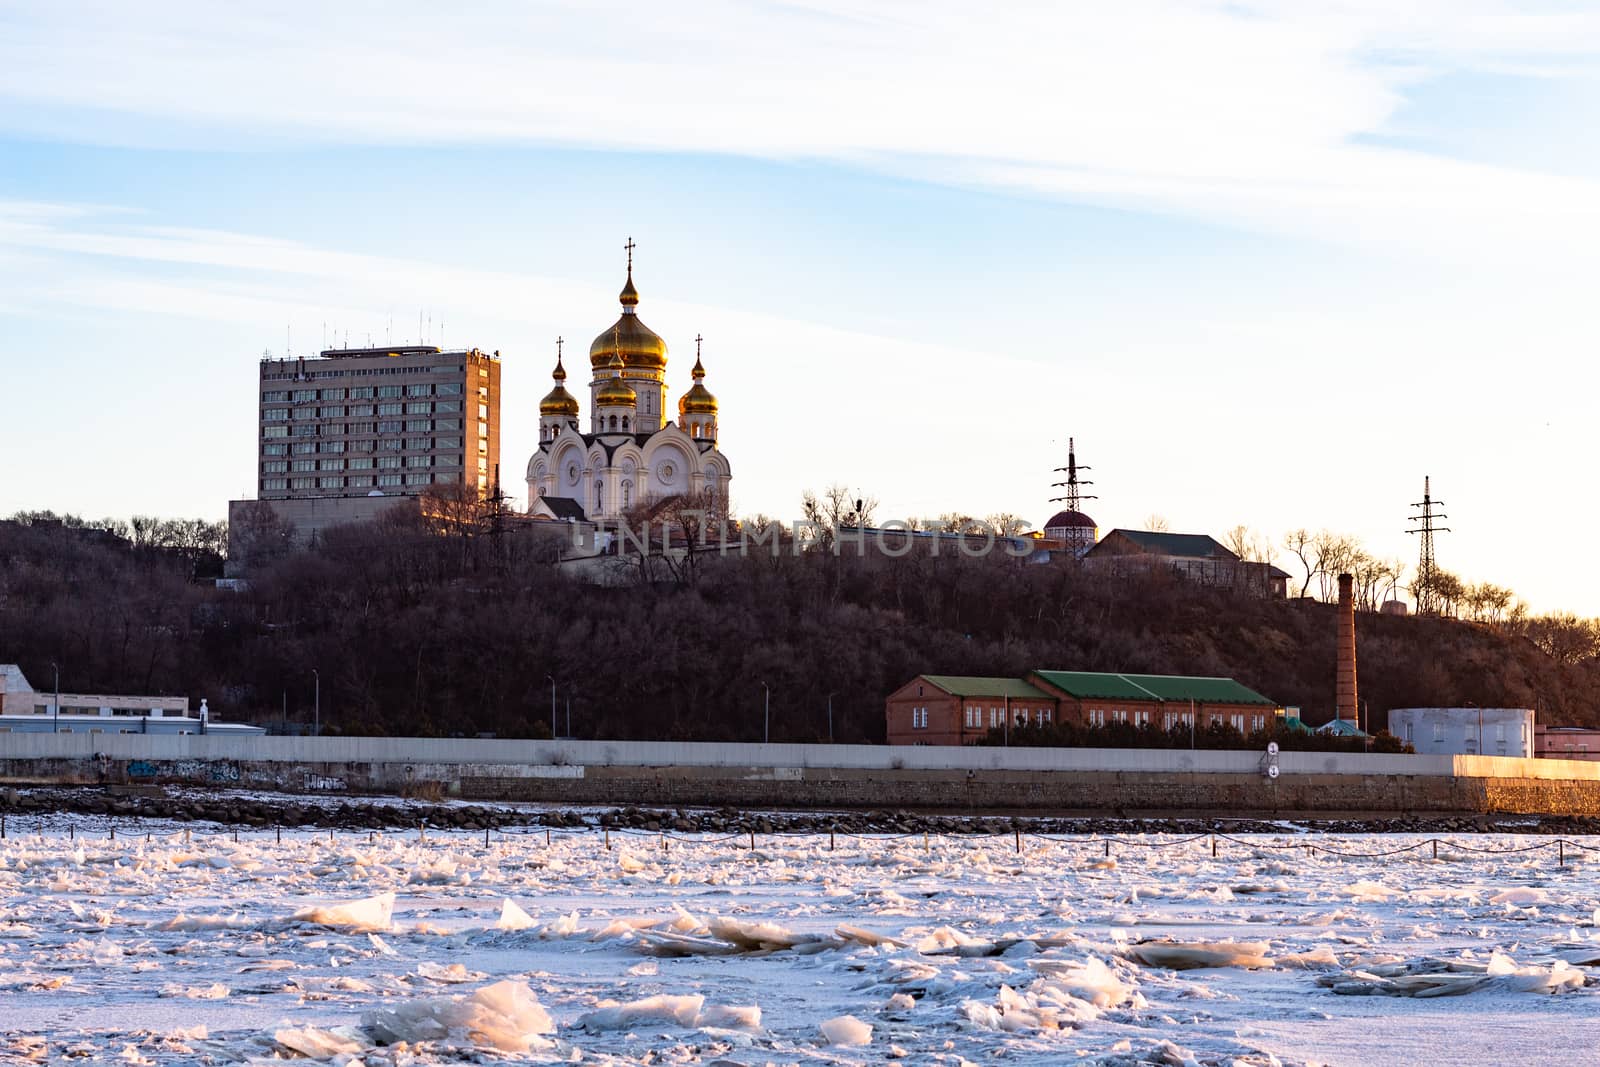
(1345, 675)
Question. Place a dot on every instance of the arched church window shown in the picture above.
(613, 422)
(624, 422)
(627, 495)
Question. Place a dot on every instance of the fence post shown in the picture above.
(1018, 832)
(72, 831)
(485, 837)
(663, 842)
(607, 831)
(1436, 848)
(113, 831)
(279, 830)
(752, 840)
(1561, 852)
(830, 838)
(186, 837)
(1213, 846)
(422, 830)
(547, 837)
(925, 845)
(235, 835)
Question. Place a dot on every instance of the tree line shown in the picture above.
(438, 623)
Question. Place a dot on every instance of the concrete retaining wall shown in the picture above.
(975, 779)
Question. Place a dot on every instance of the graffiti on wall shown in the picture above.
(321, 783)
(141, 769)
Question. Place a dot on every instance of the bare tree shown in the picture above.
(1303, 546)
(1157, 523)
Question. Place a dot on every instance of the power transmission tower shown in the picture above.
(1079, 537)
(1073, 485)
(1426, 517)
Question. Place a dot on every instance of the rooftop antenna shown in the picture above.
(288, 341)
(1073, 485)
(1427, 570)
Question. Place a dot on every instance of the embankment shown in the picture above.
(1120, 781)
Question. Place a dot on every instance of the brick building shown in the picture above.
(1194, 557)
(934, 709)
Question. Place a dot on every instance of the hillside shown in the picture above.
(420, 633)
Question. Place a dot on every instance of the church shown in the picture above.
(628, 455)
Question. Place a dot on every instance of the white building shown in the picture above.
(630, 454)
(1465, 731)
(24, 710)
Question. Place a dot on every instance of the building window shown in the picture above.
(302, 395)
(483, 411)
(331, 447)
(330, 464)
(304, 465)
(389, 479)
(388, 392)
(279, 396)
(919, 718)
(390, 427)
(275, 450)
(1438, 732)
(419, 425)
(419, 461)
(1097, 717)
(361, 393)
(419, 390)
(449, 388)
(275, 431)
(446, 407)
(275, 415)
(330, 483)
(359, 481)
(333, 394)
(275, 466)
(302, 483)
(390, 409)
(360, 410)
(269, 484)
(419, 407)
(390, 444)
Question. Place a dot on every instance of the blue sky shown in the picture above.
(1270, 264)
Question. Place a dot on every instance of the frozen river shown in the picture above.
(395, 950)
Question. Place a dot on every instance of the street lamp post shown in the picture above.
(766, 715)
(316, 703)
(830, 718)
(552, 680)
(55, 713)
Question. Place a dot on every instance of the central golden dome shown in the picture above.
(641, 347)
(616, 391)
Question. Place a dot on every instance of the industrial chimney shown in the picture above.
(1344, 702)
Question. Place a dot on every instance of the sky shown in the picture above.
(1270, 264)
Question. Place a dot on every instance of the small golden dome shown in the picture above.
(559, 402)
(616, 391)
(697, 401)
(629, 295)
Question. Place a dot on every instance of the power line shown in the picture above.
(1426, 517)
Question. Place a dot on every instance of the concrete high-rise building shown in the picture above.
(340, 436)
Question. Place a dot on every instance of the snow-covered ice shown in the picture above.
(390, 949)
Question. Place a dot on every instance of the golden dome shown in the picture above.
(641, 347)
(616, 391)
(698, 400)
(559, 402)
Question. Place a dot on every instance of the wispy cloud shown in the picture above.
(1252, 114)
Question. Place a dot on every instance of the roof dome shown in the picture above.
(616, 391)
(640, 346)
(1071, 520)
(558, 401)
(698, 400)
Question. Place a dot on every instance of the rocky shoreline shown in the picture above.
(259, 811)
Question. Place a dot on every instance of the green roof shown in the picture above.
(963, 686)
(1192, 546)
(1173, 687)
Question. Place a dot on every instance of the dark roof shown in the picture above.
(1171, 687)
(1068, 518)
(964, 686)
(564, 507)
(1192, 546)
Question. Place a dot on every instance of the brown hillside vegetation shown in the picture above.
(417, 631)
